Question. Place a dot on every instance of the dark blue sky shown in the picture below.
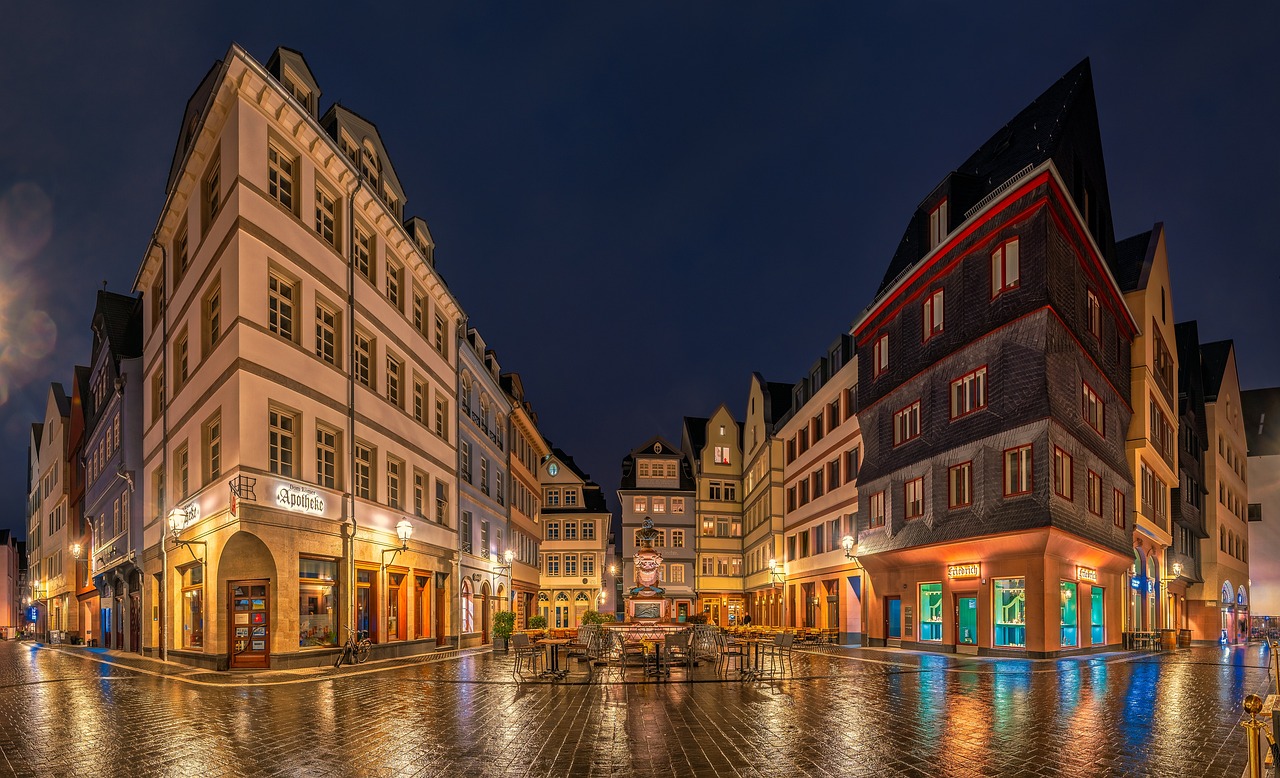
(640, 205)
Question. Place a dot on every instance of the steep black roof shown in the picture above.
(569, 463)
(695, 431)
(777, 396)
(1133, 261)
(1261, 410)
(1213, 358)
(1191, 376)
(117, 324)
(628, 480)
(1061, 124)
(192, 118)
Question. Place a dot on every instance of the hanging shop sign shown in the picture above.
(966, 570)
(299, 499)
(1087, 574)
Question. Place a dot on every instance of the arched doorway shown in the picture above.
(1137, 593)
(1242, 615)
(468, 608)
(1228, 613)
(246, 572)
(1153, 594)
(486, 609)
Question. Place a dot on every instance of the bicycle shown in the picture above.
(355, 650)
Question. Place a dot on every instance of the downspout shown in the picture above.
(349, 501)
(164, 450)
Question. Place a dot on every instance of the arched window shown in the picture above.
(1242, 597)
(468, 608)
(1227, 592)
(465, 391)
(370, 164)
(484, 410)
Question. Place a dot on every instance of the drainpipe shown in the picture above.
(164, 450)
(349, 496)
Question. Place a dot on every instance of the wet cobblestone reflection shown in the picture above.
(849, 712)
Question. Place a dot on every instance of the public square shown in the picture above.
(845, 712)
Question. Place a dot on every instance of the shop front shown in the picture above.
(1037, 594)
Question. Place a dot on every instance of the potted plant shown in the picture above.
(537, 622)
(504, 623)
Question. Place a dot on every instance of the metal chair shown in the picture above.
(525, 651)
(780, 654)
(727, 650)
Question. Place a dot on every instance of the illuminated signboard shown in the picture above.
(966, 570)
(299, 499)
(1087, 574)
(33, 614)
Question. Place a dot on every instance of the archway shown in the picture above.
(1242, 615)
(243, 599)
(1153, 594)
(1228, 613)
(486, 609)
(468, 608)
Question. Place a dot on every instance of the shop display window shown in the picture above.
(193, 607)
(1011, 612)
(1095, 617)
(931, 611)
(317, 602)
(1070, 615)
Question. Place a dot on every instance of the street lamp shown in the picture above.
(404, 530)
(499, 571)
(847, 544)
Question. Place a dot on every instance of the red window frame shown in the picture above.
(951, 394)
(1117, 509)
(968, 489)
(904, 412)
(873, 521)
(1085, 392)
(1095, 314)
(1000, 284)
(1031, 481)
(906, 500)
(880, 355)
(931, 314)
(1059, 456)
(1091, 479)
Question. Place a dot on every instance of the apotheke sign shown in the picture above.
(299, 499)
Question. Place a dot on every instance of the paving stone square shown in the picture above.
(843, 712)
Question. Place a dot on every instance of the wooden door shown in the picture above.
(249, 623)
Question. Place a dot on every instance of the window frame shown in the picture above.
(976, 377)
(1028, 472)
(902, 423)
(932, 310)
(1000, 283)
(1063, 474)
(908, 504)
(965, 469)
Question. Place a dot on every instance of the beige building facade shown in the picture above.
(714, 445)
(762, 500)
(575, 545)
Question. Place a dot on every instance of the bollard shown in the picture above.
(1275, 661)
(1253, 731)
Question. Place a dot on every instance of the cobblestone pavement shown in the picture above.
(847, 712)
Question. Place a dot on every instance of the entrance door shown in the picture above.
(249, 615)
(135, 622)
(441, 608)
(119, 625)
(893, 620)
(966, 624)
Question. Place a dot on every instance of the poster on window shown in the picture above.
(259, 604)
(242, 618)
(242, 632)
(259, 618)
(259, 632)
(259, 645)
(242, 605)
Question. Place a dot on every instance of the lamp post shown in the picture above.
(1176, 569)
(180, 519)
(778, 577)
(404, 530)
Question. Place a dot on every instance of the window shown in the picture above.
(484, 539)
(851, 464)
(677, 574)
(881, 355)
(1163, 360)
(906, 424)
(960, 485)
(677, 505)
(442, 502)
(1117, 509)
(181, 257)
(1155, 495)
(1095, 315)
(419, 400)
(395, 378)
(931, 612)
(326, 216)
(714, 490)
(280, 432)
(317, 602)
(364, 472)
(639, 504)
(1004, 267)
(280, 299)
(735, 526)
(442, 417)
(327, 334)
(571, 498)
(212, 316)
(361, 254)
(213, 191)
(1062, 473)
(181, 361)
(876, 510)
(571, 564)
(181, 470)
(1094, 410)
(722, 455)
(394, 281)
(913, 498)
(213, 449)
(395, 472)
(553, 498)
(677, 538)
(280, 173)
(464, 460)
(1095, 493)
(1162, 431)
(464, 532)
(553, 564)
(833, 474)
(1010, 612)
(933, 314)
(1017, 471)
(442, 340)
(326, 457)
(659, 504)
(193, 607)
(364, 359)
(938, 226)
(969, 393)
(588, 565)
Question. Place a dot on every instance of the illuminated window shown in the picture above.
(876, 511)
(1062, 473)
(913, 498)
(938, 225)
(960, 485)
(1094, 410)
(906, 424)
(969, 393)
(1017, 471)
(881, 355)
(1004, 267)
(932, 314)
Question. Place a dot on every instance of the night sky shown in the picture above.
(640, 204)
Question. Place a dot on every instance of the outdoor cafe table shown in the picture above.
(553, 647)
(756, 670)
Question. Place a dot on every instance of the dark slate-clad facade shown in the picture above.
(1193, 441)
(999, 327)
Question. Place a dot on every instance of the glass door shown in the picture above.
(250, 619)
(893, 618)
(1096, 633)
(967, 621)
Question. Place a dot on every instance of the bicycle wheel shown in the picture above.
(362, 653)
(341, 655)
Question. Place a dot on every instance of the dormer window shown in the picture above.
(938, 225)
(299, 92)
(370, 167)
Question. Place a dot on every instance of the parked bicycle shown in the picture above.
(356, 649)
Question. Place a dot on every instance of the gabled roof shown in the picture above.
(1134, 255)
(695, 431)
(1213, 358)
(1191, 376)
(1261, 411)
(339, 118)
(1066, 110)
(192, 118)
(284, 57)
(117, 324)
(568, 462)
(650, 448)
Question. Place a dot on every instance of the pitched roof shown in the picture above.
(1261, 411)
(695, 431)
(1029, 139)
(568, 462)
(628, 480)
(1133, 261)
(1213, 358)
(119, 319)
(778, 395)
(1191, 375)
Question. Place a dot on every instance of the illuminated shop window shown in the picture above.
(1011, 612)
(931, 611)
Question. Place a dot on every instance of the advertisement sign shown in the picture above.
(299, 499)
(966, 570)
